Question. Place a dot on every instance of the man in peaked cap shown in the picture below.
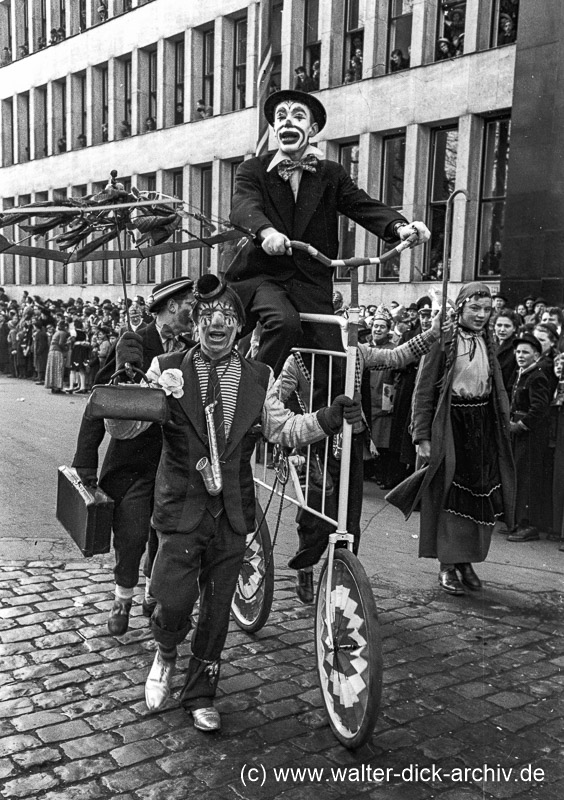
(202, 529)
(297, 194)
(129, 468)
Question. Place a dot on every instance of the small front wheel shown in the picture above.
(254, 592)
(349, 663)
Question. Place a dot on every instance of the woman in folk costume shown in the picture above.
(461, 428)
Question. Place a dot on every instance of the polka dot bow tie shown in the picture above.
(286, 167)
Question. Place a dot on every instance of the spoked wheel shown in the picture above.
(253, 595)
(349, 669)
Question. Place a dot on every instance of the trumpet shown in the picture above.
(211, 470)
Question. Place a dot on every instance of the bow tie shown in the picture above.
(286, 167)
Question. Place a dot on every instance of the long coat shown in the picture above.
(530, 402)
(262, 199)
(431, 421)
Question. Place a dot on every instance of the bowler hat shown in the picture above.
(528, 338)
(294, 95)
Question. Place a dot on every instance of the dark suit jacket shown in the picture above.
(125, 460)
(262, 199)
(180, 496)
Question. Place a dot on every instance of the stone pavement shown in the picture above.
(469, 684)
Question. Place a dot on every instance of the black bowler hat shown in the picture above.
(315, 106)
(166, 289)
(528, 338)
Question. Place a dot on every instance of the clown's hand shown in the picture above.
(275, 243)
(417, 233)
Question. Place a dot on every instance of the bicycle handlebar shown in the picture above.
(356, 261)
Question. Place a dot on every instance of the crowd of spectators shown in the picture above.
(61, 345)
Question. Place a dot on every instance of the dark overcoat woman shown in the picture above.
(431, 421)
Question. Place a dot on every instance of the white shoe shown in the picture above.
(157, 687)
(206, 719)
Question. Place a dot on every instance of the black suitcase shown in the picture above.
(85, 513)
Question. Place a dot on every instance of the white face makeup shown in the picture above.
(218, 325)
(293, 127)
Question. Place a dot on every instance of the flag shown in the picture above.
(264, 73)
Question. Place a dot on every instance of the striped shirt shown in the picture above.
(229, 374)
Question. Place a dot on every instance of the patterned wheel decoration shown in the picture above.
(253, 595)
(349, 670)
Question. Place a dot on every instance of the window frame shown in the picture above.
(392, 22)
(351, 33)
(342, 273)
(240, 63)
(433, 205)
(493, 200)
(177, 179)
(208, 65)
(179, 90)
(206, 194)
(383, 247)
(311, 47)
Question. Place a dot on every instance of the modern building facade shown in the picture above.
(419, 95)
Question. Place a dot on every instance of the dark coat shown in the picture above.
(505, 354)
(530, 403)
(262, 199)
(125, 460)
(431, 421)
(180, 495)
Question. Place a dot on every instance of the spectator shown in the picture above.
(507, 30)
(530, 400)
(54, 36)
(462, 432)
(81, 140)
(458, 45)
(356, 64)
(547, 335)
(55, 369)
(303, 82)
(555, 316)
(203, 111)
(41, 43)
(558, 467)
(349, 76)
(539, 308)
(382, 390)
(6, 56)
(104, 131)
(444, 49)
(179, 114)
(102, 11)
(315, 75)
(61, 35)
(150, 124)
(4, 348)
(397, 61)
(62, 144)
(124, 129)
(24, 50)
(40, 351)
(505, 329)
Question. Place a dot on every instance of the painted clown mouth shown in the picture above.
(217, 336)
(289, 137)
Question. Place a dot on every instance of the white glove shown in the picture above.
(419, 228)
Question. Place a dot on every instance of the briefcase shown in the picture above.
(130, 401)
(85, 513)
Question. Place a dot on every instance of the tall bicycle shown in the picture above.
(347, 636)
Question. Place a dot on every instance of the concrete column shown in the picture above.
(417, 147)
(425, 18)
(474, 13)
(223, 65)
(330, 21)
(93, 127)
(4, 32)
(465, 212)
(34, 26)
(165, 83)
(375, 38)
(190, 38)
(135, 91)
(73, 113)
(252, 54)
(369, 171)
(292, 40)
(14, 29)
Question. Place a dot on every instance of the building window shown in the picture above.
(206, 210)
(207, 83)
(104, 88)
(505, 21)
(276, 40)
(151, 121)
(348, 157)
(240, 64)
(354, 42)
(8, 258)
(312, 43)
(177, 191)
(399, 34)
(450, 32)
(444, 151)
(493, 194)
(391, 193)
(127, 90)
(179, 82)
(81, 15)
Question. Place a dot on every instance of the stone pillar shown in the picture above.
(292, 40)
(417, 147)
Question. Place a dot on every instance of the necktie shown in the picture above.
(169, 339)
(213, 395)
(286, 167)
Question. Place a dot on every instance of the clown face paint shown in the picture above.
(293, 127)
(218, 325)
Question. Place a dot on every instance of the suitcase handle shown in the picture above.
(128, 370)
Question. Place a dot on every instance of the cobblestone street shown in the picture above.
(468, 683)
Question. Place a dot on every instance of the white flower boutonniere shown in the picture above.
(172, 381)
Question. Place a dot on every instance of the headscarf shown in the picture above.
(468, 291)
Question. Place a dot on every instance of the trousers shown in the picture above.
(131, 526)
(204, 563)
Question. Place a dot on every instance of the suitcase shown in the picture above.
(85, 513)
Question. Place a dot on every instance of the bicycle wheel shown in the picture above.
(253, 595)
(349, 671)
